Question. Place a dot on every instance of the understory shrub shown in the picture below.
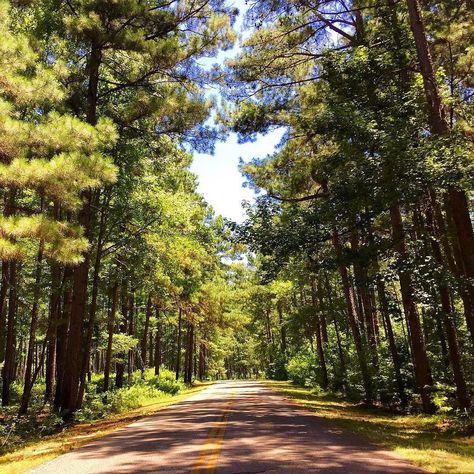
(303, 369)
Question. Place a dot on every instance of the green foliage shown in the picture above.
(302, 369)
(144, 390)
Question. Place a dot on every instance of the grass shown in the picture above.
(426, 441)
(42, 450)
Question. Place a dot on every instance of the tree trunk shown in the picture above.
(157, 361)
(70, 396)
(149, 309)
(9, 363)
(3, 308)
(202, 361)
(120, 365)
(342, 360)
(131, 331)
(110, 338)
(448, 320)
(51, 334)
(457, 201)
(452, 260)
(352, 317)
(319, 339)
(368, 310)
(397, 366)
(28, 385)
(423, 377)
(62, 332)
(178, 345)
(85, 366)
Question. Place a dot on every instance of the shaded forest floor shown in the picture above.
(432, 442)
(40, 450)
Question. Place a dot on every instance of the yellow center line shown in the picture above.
(207, 461)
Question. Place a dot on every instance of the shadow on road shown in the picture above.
(264, 433)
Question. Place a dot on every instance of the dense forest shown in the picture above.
(354, 268)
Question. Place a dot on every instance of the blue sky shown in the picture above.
(220, 181)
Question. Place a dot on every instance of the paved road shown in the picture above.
(230, 427)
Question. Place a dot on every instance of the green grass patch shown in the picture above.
(435, 443)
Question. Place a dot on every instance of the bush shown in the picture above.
(302, 369)
(144, 390)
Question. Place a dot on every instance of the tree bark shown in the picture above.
(51, 334)
(10, 354)
(85, 366)
(178, 345)
(457, 200)
(70, 396)
(28, 381)
(3, 308)
(149, 309)
(158, 355)
(352, 318)
(319, 339)
(110, 338)
(62, 332)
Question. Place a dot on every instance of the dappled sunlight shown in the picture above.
(418, 438)
(261, 432)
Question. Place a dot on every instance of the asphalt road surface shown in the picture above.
(230, 427)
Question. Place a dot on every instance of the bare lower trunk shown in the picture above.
(3, 308)
(319, 338)
(178, 345)
(352, 318)
(51, 334)
(110, 328)
(28, 385)
(157, 361)
(397, 366)
(149, 309)
(62, 331)
(10, 354)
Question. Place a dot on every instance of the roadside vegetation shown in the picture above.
(437, 443)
